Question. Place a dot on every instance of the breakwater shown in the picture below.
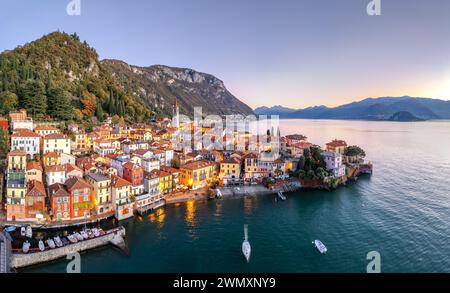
(114, 237)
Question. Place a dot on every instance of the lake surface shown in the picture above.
(402, 211)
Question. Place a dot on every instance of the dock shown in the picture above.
(115, 237)
(141, 210)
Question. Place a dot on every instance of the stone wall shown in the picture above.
(25, 260)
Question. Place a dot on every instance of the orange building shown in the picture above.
(35, 200)
(81, 194)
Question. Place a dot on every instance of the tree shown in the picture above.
(8, 101)
(355, 151)
(60, 104)
(99, 112)
(4, 143)
(34, 98)
(89, 102)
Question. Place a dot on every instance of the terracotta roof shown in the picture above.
(17, 153)
(231, 161)
(119, 182)
(55, 136)
(302, 145)
(45, 127)
(52, 155)
(56, 168)
(58, 190)
(159, 173)
(34, 165)
(169, 169)
(141, 152)
(97, 177)
(76, 183)
(197, 165)
(36, 188)
(24, 133)
(337, 143)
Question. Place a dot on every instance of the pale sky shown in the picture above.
(296, 53)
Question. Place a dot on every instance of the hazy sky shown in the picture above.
(296, 53)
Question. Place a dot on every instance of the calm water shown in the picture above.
(402, 211)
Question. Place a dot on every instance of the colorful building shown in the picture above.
(197, 174)
(60, 202)
(102, 190)
(16, 187)
(336, 146)
(81, 194)
(26, 140)
(121, 196)
(34, 171)
(134, 174)
(35, 201)
(57, 143)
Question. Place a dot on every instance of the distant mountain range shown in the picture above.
(369, 109)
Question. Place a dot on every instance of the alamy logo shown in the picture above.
(374, 8)
(374, 265)
(74, 266)
(74, 8)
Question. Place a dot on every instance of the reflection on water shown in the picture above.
(158, 217)
(249, 205)
(218, 211)
(190, 213)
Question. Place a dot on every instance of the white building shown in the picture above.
(26, 140)
(55, 174)
(150, 164)
(22, 124)
(334, 163)
(57, 143)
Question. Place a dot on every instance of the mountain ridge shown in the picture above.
(381, 108)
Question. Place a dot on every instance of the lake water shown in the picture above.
(402, 211)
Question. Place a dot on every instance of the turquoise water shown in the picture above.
(402, 211)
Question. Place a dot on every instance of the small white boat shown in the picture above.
(246, 248)
(84, 234)
(78, 236)
(320, 246)
(51, 243)
(72, 239)
(26, 247)
(281, 195)
(101, 232)
(90, 234)
(10, 229)
(23, 231)
(96, 232)
(58, 241)
(41, 245)
(29, 232)
(219, 193)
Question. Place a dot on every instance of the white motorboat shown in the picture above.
(78, 236)
(29, 232)
(219, 193)
(90, 234)
(72, 239)
(51, 243)
(84, 234)
(281, 195)
(58, 241)
(320, 246)
(26, 247)
(246, 248)
(41, 245)
(23, 231)
(96, 232)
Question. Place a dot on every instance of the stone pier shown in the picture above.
(114, 237)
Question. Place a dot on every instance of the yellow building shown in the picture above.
(165, 180)
(81, 141)
(45, 130)
(230, 169)
(52, 159)
(17, 160)
(197, 174)
(102, 191)
(16, 187)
